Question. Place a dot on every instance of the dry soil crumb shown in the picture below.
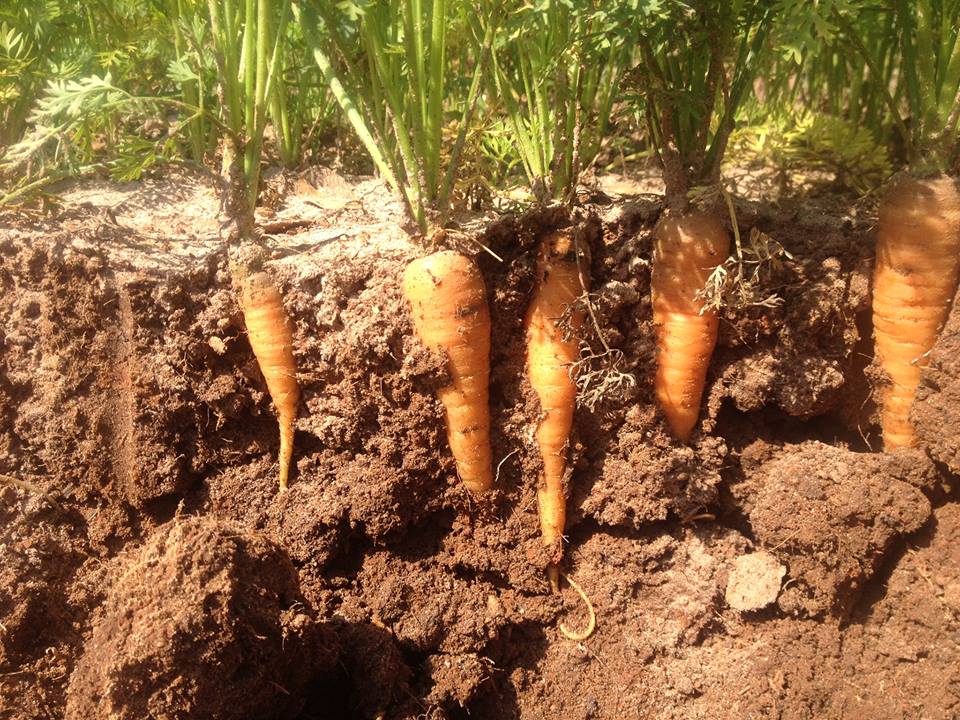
(754, 581)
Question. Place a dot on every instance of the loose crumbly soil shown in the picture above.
(777, 567)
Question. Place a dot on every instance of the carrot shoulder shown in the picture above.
(550, 353)
(688, 248)
(450, 315)
(918, 257)
(271, 337)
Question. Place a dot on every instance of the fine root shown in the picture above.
(597, 372)
(599, 376)
(740, 280)
(592, 615)
(32, 488)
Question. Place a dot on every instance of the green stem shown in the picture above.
(308, 20)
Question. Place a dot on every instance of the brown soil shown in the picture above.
(202, 612)
(774, 568)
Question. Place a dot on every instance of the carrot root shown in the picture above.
(450, 315)
(688, 249)
(271, 336)
(550, 354)
(918, 258)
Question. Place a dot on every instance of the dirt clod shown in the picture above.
(754, 581)
(936, 411)
(203, 621)
(831, 515)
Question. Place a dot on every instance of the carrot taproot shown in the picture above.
(450, 315)
(687, 250)
(918, 259)
(271, 337)
(551, 350)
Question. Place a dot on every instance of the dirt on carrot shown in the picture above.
(133, 413)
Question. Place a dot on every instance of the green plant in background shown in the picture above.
(392, 77)
(17, 59)
(789, 144)
(556, 71)
(38, 42)
(489, 163)
(65, 115)
(245, 36)
(849, 152)
(191, 68)
(455, 100)
(68, 122)
(890, 67)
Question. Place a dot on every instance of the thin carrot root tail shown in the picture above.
(271, 337)
(450, 315)
(552, 506)
(286, 448)
(591, 615)
(553, 576)
(918, 260)
(688, 249)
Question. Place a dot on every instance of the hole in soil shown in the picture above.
(162, 509)
(346, 565)
(326, 700)
(774, 426)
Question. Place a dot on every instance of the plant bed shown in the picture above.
(131, 407)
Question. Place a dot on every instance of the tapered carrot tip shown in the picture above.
(918, 259)
(271, 338)
(688, 249)
(448, 304)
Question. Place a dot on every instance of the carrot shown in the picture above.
(688, 248)
(450, 315)
(271, 337)
(550, 353)
(918, 258)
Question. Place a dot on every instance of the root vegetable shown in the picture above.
(271, 337)
(450, 315)
(918, 258)
(550, 353)
(688, 249)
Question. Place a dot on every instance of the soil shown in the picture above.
(778, 566)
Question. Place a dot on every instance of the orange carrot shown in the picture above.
(271, 337)
(550, 353)
(918, 258)
(450, 315)
(688, 249)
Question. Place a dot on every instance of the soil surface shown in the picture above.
(778, 566)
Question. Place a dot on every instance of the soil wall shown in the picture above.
(776, 566)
